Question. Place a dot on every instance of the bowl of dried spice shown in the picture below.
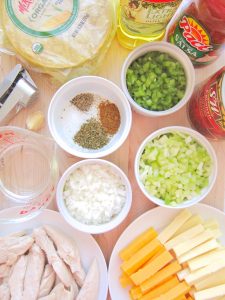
(89, 117)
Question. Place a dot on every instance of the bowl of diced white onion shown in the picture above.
(94, 196)
(175, 167)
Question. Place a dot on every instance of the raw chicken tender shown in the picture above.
(58, 265)
(4, 291)
(68, 251)
(4, 270)
(89, 290)
(12, 247)
(47, 281)
(61, 293)
(34, 271)
(16, 279)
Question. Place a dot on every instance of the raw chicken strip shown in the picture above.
(18, 233)
(89, 290)
(68, 251)
(13, 234)
(13, 240)
(58, 265)
(57, 281)
(4, 291)
(16, 278)
(47, 281)
(49, 297)
(60, 293)
(69, 294)
(4, 270)
(12, 247)
(34, 271)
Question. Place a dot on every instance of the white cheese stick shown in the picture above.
(201, 249)
(211, 224)
(216, 233)
(205, 259)
(217, 278)
(190, 233)
(183, 273)
(203, 272)
(172, 228)
(210, 294)
(192, 243)
(191, 222)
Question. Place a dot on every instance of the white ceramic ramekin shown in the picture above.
(202, 141)
(62, 128)
(94, 229)
(173, 51)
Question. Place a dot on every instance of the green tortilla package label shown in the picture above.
(58, 34)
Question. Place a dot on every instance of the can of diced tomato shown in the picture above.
(206, 109)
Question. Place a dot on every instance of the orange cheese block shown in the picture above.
(181, 298)
(136, 293)
(142, 256)
(125, 280)
(160, 251)
(160, 276)
(161, 289)
(140, 241)
(189, 298)
(180, 289)
(150, 269)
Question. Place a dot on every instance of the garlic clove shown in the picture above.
(35, 121)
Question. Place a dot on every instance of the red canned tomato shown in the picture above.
(206, 108)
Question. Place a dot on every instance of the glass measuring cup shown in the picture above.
(28, 172)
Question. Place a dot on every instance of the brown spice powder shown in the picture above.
(109, 117)
(83, 101)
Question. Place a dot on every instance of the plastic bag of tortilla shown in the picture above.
(62, 38)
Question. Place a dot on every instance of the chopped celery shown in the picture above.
(174, 167)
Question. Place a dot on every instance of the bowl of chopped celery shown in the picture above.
(158, 79)
(175, 167)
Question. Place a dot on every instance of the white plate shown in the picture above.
(89, 249)
(158, 218)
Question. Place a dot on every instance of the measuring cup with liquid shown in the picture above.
(28, 173)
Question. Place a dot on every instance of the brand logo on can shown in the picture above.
(195, 34)
(216, 103)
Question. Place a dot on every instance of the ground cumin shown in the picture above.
(109, 117)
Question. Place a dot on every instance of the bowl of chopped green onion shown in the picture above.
(158, 79)
(175, 167)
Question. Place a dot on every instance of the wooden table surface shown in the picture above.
(124, 157)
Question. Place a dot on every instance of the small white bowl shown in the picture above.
(93, 229)
(64, 120)
(202, 141)
(174, 52)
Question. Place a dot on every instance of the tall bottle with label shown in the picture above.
(144, 20)
(200, 31)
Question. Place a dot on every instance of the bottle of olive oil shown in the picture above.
(142, 21)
